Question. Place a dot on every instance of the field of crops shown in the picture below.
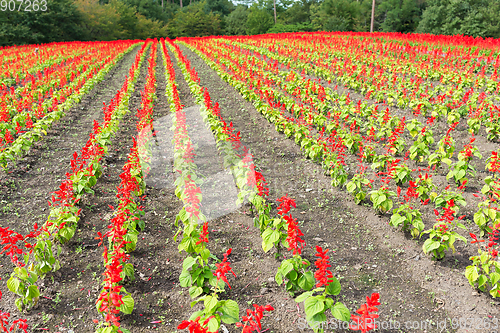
(274, 183)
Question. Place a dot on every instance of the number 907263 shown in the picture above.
(23, 5)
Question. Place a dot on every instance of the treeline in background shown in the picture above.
(68, 20)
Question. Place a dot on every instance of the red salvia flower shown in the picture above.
(252, 321)
(8, 137)
(223, 268)
(194, 326)
(203, 234)
(295, 243)
(365, 322)
(285, 204)
(323, 276)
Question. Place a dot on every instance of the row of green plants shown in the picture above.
(443, 234)
(20, 63)
(347, 131)
(23, 106)
(282, 232)
(55, 107)
(64, 214)
(122, 234)
(402, 85)
(202, 272)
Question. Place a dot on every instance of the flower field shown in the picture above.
(274, 183)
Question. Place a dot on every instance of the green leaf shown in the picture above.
(128, 304)
(471, 274)
(214, 324)
(351, 187)
(188, 263)
(479, 218)
(380, 199)
(266, 246)
(183, 215)
(397, 220)
(33, 278)
(481, 280)
(430, 245)
(185, 279)
(108, 329)
(306, 281)
(316, 321)
(492, 214)
(313, 305)
(128, 269)
(275, 236)
(334, 287)
(278, 278)
(195, 291)
(230, 312)
(286, 267)
(22, 272)
(210, 303)
(205, 254)
(13, 284)
(302, 297)
(340, 312)
(19, 304)
(32, 293)
(494, 277)
(268, 239)
(196, 314)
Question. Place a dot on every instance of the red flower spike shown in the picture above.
(223, 268)
(193, 326)
(252, 321)
(203, 234)
(365, 322)
(285, 203)
(323, 276)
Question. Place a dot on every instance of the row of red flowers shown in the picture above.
(20, 108)
(122, 233)
(43, 243)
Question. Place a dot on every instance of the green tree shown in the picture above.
(193, 21)
(399, 15)
(59, 22)
(280, 28)
(151, 9)
(462, 17)
(335, 15)
(117, 20)
(147, 28)
(364, 18)
(236, 22)
(298, 12)
(259, 20)
(490, 13)
(101, 22)
(222, 7)
(127, 19)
